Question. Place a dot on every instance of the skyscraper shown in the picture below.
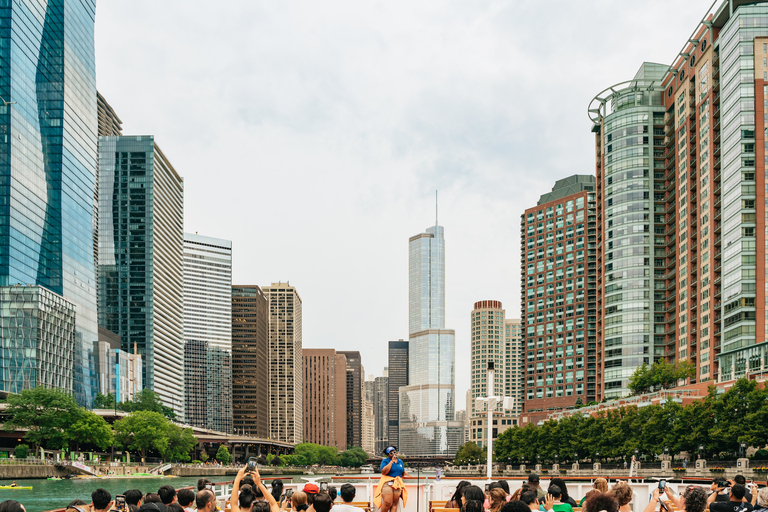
(208, 331)
(141, 259)
(427, 404)
(325, 397)
(558, 297)
(380, 408)
(397, 378)
(514, 380)
(250, 360)
(355, 386)
(286, 384)
(48, 155)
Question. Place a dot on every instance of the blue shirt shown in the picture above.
(397, 468)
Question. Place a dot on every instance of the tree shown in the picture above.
(470, 453)
(105, 401)
(21, 451)
(46, 413)
(276, 461)
(262, 460)
(223, 455)
(352, 458)
(147, 400)
(181, 441)
(91, 428)
(142, 431)
(204, 456)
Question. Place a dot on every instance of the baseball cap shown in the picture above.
(533, 477)
(311, 489)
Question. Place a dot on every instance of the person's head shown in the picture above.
(311, 491)
(76, 503)
(185, 497)
(323, 502)
(472, 493)
(504, 485)
(260, 506)
(133, 497)
(473, 506)
(601, 484)
(101, 499)
(695, 499)
(622, 493)
(533, 480)
(390, 451)
(205, 501)
(299, 501)
(247, 480)
(555, 492)
(515, 506)
(561, 484)
(167, 494)
(246, 498)
(152, 497)
(277, 489)
(497, 498)
(203, 483)
(530, 498)
(456, 498)
(739, 479)
(598, 501)
(11, 506)
(718, 484)
(737, 492)
(348, 493)
(174, 507)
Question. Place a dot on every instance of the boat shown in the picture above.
(54, 478)
(366, 469)
(16, 487)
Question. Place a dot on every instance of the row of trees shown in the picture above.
(54, 421)
(309, 454)
(714, 427)
(146, 400)
(660, 375)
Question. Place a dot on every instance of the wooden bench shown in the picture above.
(437, 503)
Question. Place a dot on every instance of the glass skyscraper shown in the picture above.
(427, 425)
(48, 155)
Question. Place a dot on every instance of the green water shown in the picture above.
(52, 494)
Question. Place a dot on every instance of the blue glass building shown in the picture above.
(48, 156)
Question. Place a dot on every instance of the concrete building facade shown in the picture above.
(325, 397)
(354, 398)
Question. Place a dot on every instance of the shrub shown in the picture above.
(21, 451)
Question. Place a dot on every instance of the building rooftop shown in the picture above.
(568, 186)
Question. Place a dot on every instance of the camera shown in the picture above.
(120, 502)
(487, 487)
(323, 486)
(252, 463)
(662, 485)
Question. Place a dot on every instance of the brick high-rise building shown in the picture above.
(558, 297)
(325, 397)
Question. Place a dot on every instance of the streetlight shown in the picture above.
(576, 456)
(743, 448)
(701, 451)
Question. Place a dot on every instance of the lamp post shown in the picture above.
(743, 447)
(701, 451)
(576, 457)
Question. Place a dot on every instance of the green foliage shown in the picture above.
(204, 456)
(21, 451)
(181, 442)
(352, 458)
(309, 454)
(149, 430)
(91, 428)
(46, 413)
(147, 400)
(223, 455)
(469, 453)
(276, 461)
(660, 375)
(262, 460)
(104, 401)
(719, 423)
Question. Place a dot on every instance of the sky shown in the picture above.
(315, 134)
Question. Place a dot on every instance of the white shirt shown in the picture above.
(345, 508)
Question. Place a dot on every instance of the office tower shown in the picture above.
(558, 296)
(398, 361)
(38, 339)
(368, 442)
(119, 371)
(427, 425)
(109, 122)
(355, 386)
(489, 344)
(325, 396)
(285, 363)
(250, 361)
(208, 319)
(380, 410)
(514, 380)
(141, 264)
(461, 415)
(48, 127)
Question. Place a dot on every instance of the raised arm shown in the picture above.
(234, 503)
(273, 506)
(675, 499)
(651, 506)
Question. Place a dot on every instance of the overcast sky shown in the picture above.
(314, 135)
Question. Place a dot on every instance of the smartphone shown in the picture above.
(323, 486)
(487, 487)
(662, 485)
(120, 502)
(252, 463)
(663, 505)
(288, 494)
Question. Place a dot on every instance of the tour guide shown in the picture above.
(391, 485)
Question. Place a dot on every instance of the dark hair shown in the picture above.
(166, 492)
(76, 503)
(323, 502)
(101, 498)
(348, 492)
(473, 506)
(203, 498)
(456, 498)
(152, 497)
(333, 493)
(185, 497)
(598, 501)
(202, 483)
(175, 507)
(504, 485)
(246, 498)
(739, 479)
(533, 478)
(528, 497)
(133, 496)
(515, 506)
(277, 489)
(10, 506)
(695, 499)
(248, 480)
(563, 489)
(738, 491)
(555, 491)
(260, 506)
(473, 493)
(494, 485)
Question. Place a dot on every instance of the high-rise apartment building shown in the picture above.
(397, 359)
(380, 409)
(514, 379)
(355, 390)
(368, 437)
(427, 404)
(489, 344)
(48, 155)
(285, 363)
(250, 361)
(325, 397)
(141, 263)
(558, 297)
(208, 330)
(119, 371)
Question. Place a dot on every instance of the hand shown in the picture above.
(656, 494)
(549, 502)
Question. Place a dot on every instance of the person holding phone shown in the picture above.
(694, 499)
(237, 504)
(391, 487)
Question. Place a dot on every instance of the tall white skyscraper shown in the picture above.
(427, 404)
(208, 332)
